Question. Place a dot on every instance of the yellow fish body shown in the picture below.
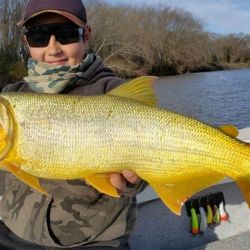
(70, 137)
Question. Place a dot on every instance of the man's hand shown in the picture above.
(118, 180)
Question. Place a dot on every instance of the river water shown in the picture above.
(216, 98)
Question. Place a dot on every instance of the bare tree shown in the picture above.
(11, 46)
(133, 41)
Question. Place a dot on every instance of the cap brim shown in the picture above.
(67, 15)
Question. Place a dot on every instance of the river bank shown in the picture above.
(167, 70)
(217, 67)
(223, 66)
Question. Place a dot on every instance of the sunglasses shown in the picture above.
(39, 36)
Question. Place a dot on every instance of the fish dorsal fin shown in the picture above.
(230, 130)
(139, 89)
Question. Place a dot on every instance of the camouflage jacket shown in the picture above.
(73, 213)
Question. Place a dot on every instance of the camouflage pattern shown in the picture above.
(73, 213)
(46, 78)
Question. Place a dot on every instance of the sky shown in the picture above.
(218, 16)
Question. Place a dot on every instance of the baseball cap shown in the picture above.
(73, 10)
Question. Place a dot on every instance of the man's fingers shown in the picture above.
(130, 176)
(118, 181)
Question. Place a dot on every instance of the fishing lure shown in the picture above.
(203, 220)
(216, 217)
(224, 216)
(194, 221)
(209, 215)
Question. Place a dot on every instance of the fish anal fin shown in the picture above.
(28, 179)
(230, 130)
(175, 192)
(102, 183)
(139, 89)
(173, 201)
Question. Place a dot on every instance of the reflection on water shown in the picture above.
(221, 97)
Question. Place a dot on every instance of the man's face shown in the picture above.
(56, 53)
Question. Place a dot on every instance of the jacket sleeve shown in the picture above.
(113, 82)
(134, 189)
(14, 87)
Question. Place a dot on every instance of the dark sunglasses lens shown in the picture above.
(37, 39)
(68, 36)
(39, 36)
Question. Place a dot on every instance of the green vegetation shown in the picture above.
(134, 41)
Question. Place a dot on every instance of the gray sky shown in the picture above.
(220, 16)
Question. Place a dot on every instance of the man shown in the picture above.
(73, 214)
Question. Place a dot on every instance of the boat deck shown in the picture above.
(158, 228)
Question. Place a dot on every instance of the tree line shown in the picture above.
(133, 41)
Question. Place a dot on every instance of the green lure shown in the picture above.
(216, 217)
(195, 222)
(209, 215)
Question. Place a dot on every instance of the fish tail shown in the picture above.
(243, 180)
(244, 185)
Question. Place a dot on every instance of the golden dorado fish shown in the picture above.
(72, 137)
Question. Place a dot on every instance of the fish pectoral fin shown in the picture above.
(230, 130)
(102, 183)
(176, 192)
(28, 179)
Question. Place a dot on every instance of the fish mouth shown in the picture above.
(6, 129)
